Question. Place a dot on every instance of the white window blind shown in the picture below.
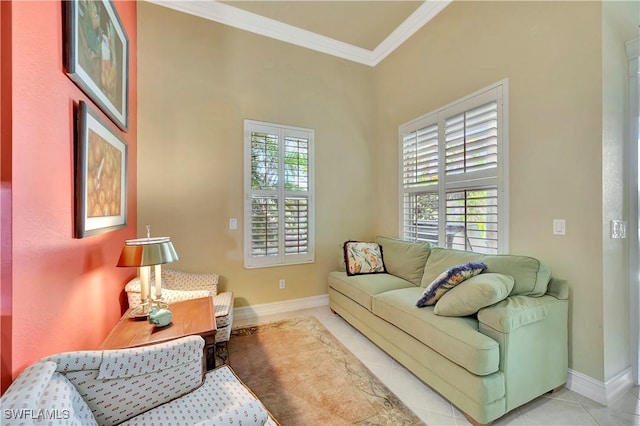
(278, 195)
(453, 174)
(472, 220)
(471, 140)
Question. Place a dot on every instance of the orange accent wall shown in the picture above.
(64, 293)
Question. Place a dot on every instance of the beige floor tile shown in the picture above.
(560, 408)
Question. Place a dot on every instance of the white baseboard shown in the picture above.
(602, 392)
(257, 311)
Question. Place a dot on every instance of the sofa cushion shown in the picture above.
(363, 258)
(360, 288)
(222, 400)
(404, 259)
(529, 274)
(448, 280)
(456, 338)
(474, 294)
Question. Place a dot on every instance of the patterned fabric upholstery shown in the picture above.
(62, 399)
(223, 307)
(178, 286)
(40, 395)
(127, 382)
(222, 400)
(174, 283)
(27, 388)
(155, 385)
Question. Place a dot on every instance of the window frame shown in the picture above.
(498, 92)
(280, 193)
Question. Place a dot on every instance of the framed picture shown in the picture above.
(100, 175)
(97, 55)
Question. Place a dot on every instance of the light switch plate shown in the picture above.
(559, 227)
(233, 223)
(618, 229)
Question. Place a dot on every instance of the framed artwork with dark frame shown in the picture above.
(100, 175)
(97, 55)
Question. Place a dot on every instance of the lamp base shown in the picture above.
(141, 312)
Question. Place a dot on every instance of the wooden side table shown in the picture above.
(190, 317)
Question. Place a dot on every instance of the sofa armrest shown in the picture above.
(514, 312)
(558, 288)
(223, 304)
(532, 333)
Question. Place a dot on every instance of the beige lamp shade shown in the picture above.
(147, 252)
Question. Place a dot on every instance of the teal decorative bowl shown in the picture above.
(160, 317)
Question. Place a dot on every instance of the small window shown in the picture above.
(278, 195)
(454, 173)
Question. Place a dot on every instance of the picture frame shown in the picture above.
(96, 55)
(101, 160)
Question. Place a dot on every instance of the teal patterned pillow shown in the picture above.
(447, 280)
(363, 258)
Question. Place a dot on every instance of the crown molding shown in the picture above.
(423, 14)
(247, 21)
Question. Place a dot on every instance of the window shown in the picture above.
(452, 175)
(278, 225)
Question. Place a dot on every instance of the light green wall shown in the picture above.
(551, 54)
(198, 81)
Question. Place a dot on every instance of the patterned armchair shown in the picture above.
(159, 384)
(178, 286)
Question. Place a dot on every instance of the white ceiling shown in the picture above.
(363, 31)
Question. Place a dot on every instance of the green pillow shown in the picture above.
(404, 259)
(473, 294)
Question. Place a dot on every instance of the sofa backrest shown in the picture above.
(531, 276)
(404, 259)
(120, 384)
(41, 395)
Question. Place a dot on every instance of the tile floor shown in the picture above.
(561, 408)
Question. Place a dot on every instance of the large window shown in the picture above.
(453, 174)
(278, 222)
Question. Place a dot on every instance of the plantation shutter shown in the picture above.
(296, 221)
(453, 174)
(278, 220)
(472, 220)
(420, 160)
(471, 140)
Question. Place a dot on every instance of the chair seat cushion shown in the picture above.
(222, 399)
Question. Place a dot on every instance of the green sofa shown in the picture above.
(486, 363)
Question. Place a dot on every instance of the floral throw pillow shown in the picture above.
(363, 258)
(447, 280)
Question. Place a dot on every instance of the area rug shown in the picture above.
(305, 376)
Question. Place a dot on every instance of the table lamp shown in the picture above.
(144, 253)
